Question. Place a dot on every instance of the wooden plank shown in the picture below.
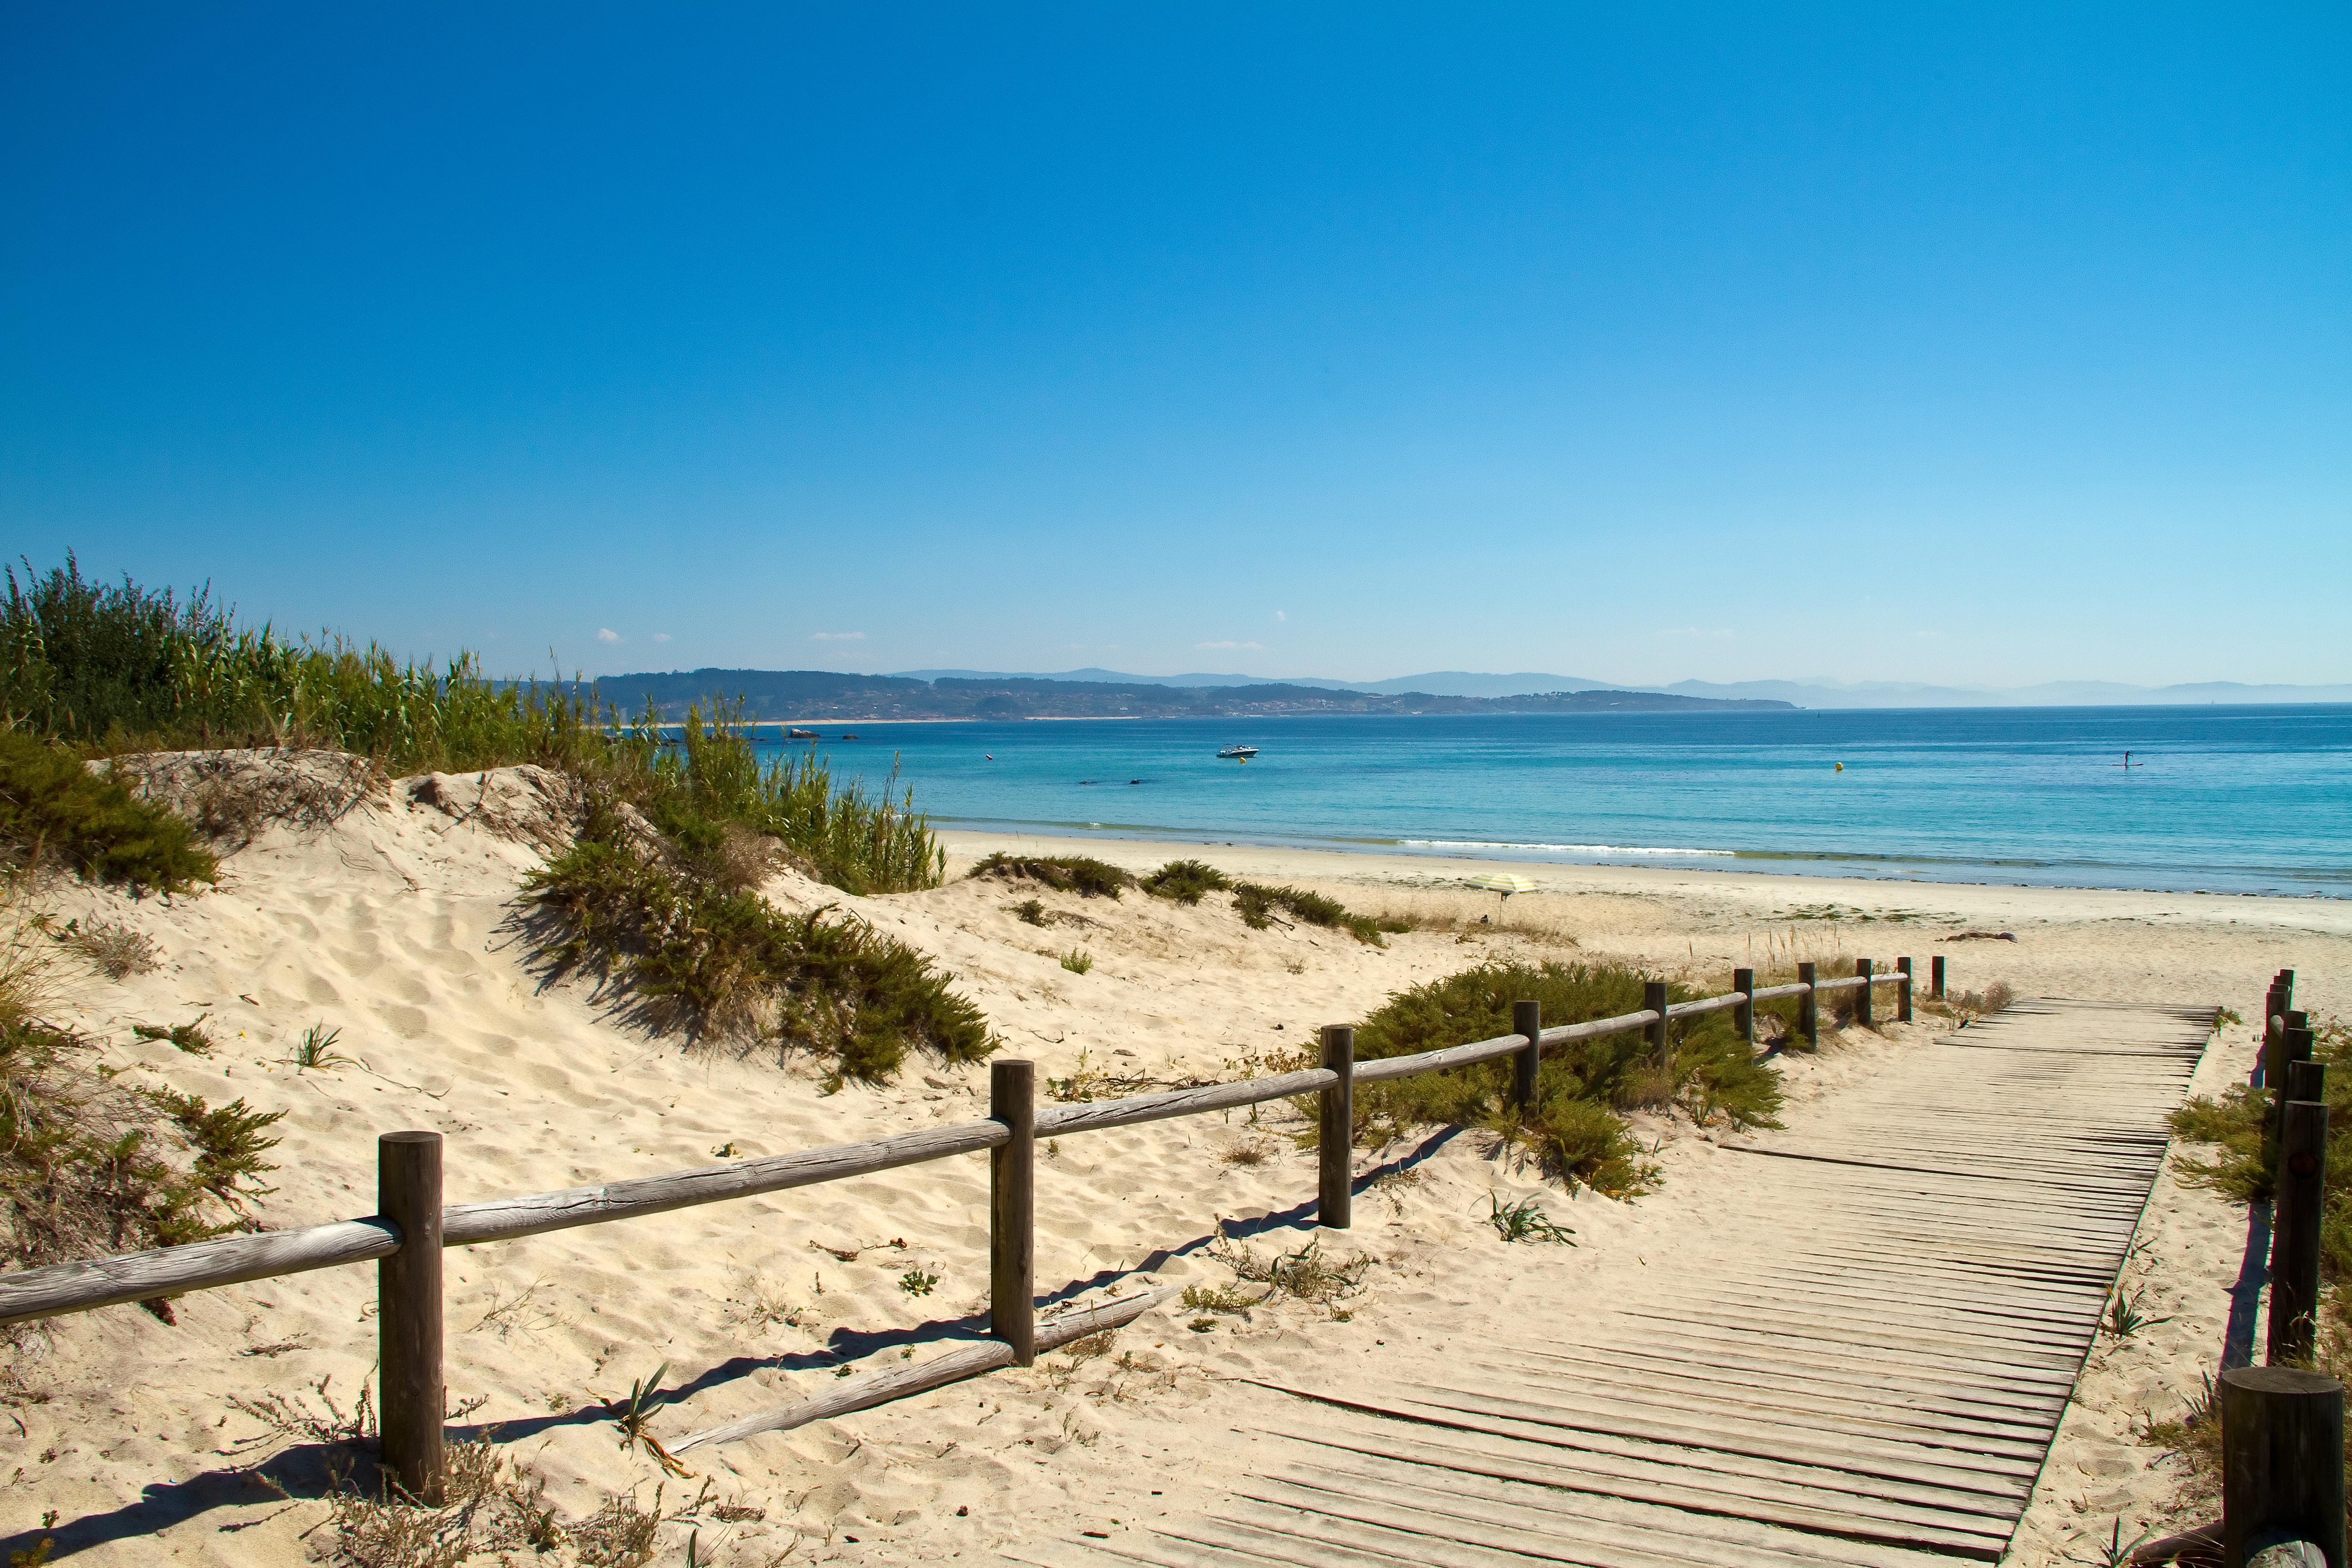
(1608, 1469)
(1442, 1487)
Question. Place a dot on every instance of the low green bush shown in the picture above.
(1186, 881)
(53, 809)
(1257, 903)
(1080, 874)
(88, 1165)
(722, 961)
(1573, 1131)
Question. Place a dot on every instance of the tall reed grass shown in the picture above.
(105, 669)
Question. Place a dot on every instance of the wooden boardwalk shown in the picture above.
(1863, 1364)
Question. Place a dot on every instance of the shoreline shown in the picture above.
(1528, 863)
(1750, 890)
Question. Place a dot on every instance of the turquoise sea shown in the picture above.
(2216, 799)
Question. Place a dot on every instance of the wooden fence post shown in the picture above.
(1526, 1019)
(2265, 1062)
(1653, 1000)
(408, 1317)
(2273, 1070)
(1808, 1016)
(2281, 1462)
(1903, 991)
(1862, 1011)
(1743, 1016)
(1012, 1210)
(1935, 977)
(2296, 1219)
(1335, 1207)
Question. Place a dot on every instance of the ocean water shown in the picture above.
(2216, 798)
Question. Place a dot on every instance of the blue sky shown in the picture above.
(1948, 343)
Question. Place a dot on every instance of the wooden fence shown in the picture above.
(411, 1226)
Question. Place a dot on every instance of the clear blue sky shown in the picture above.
(1952, 342)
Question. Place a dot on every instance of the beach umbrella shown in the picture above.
(1503, 883)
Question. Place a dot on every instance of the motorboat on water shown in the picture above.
(1239, 753)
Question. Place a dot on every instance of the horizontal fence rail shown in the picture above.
(414, 1309)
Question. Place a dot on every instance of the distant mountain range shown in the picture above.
(811, 696)
(1818, 692)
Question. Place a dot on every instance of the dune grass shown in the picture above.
(56, 811)
(1186, 881)
(1080, 874)
(1257, 904)
(101, 670)
(1574, 1130)
(2240, 1167)
(89, 1164)
(701, 952)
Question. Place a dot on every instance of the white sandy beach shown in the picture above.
(395, 926)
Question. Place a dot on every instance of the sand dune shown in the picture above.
(395, 924)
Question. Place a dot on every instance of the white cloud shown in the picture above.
(661, 636)
(1280, 616)
(606, 634)
(1229, 645)
(836, 637)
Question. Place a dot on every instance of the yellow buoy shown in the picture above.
(1841, 767)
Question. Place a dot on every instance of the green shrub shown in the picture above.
(87, 1166)
(1186, 880)
(53, 809)
(227, 1142)
(1573, 1129)
(1080, 874)
(1257, 903)
(2241, 1166)
(722, 961)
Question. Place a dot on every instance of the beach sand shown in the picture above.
(397, 926)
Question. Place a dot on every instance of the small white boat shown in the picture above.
(1239, 753)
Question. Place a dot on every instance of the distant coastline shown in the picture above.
(807, 695)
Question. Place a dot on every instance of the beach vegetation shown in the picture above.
(1575, 1130)
(99, 669)
(1219, 1299)
(1031, 911)
(55, 813)
(1257, 905)
(1524, 1221)
(1306, 1273)
(1186, 881)
(1077, 960)
(915, 1282)
(114, 951)
(632, 1415)
(316, 1052)
(190, 1037)
(719, 962)
(89, 1164)
(2124, 1317)
(2232, 1124)
(1080, 874)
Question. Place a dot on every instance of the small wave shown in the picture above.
(1559, 849)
